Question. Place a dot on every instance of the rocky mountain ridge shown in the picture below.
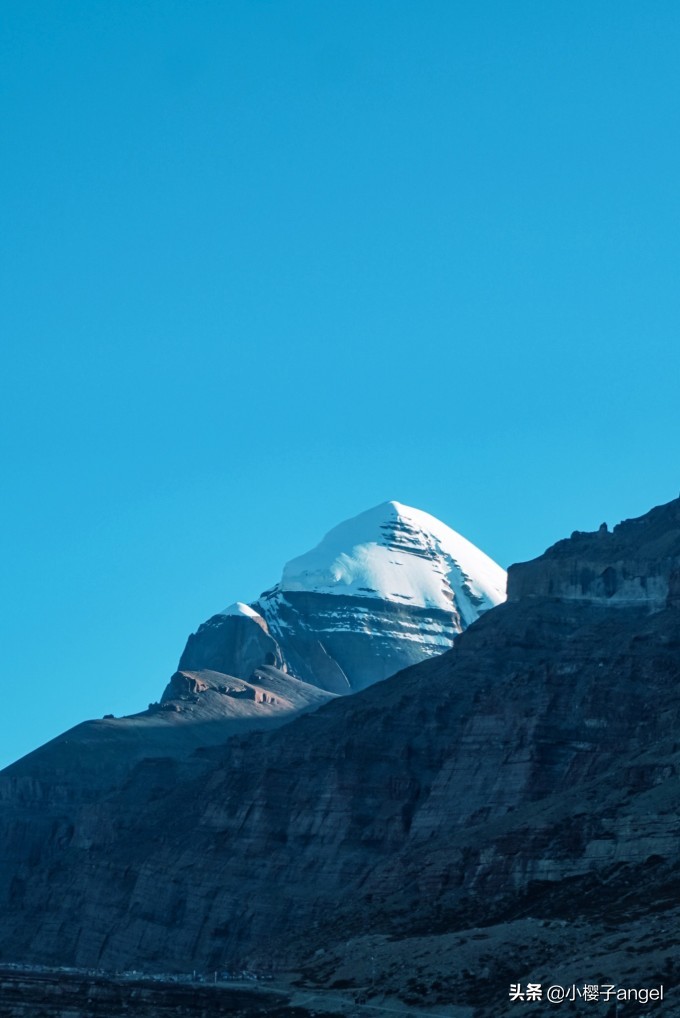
(258, 667)
(638, 562)
(523, 785)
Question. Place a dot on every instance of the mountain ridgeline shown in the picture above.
(392, 587)
(501, 812)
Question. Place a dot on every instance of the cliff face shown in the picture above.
(636, 563)
(537, 759)
(234, 644)
(340, 644)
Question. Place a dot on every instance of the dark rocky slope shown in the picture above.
(527, 778)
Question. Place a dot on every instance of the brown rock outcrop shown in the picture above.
(233, 644)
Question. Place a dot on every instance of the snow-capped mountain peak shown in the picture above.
(397, 553)
(383, 590)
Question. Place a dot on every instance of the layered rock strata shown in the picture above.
(528, 777)
(384, 590)
(638, 563)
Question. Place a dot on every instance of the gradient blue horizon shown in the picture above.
(268, 264)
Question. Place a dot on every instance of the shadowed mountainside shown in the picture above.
(525, 781)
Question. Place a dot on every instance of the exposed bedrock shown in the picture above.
(338, 643)
(636, 563)
(543, 748)
(233, 644)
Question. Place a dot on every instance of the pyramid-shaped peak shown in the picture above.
(401, 554)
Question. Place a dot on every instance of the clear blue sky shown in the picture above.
(267, 264)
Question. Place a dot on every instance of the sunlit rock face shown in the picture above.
(382, 591)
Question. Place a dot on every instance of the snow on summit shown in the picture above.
(382, 591)
(239, 608)
(400, 554)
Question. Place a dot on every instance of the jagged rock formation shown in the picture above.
(524, 783)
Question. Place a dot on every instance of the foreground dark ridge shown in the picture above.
(525, 784)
